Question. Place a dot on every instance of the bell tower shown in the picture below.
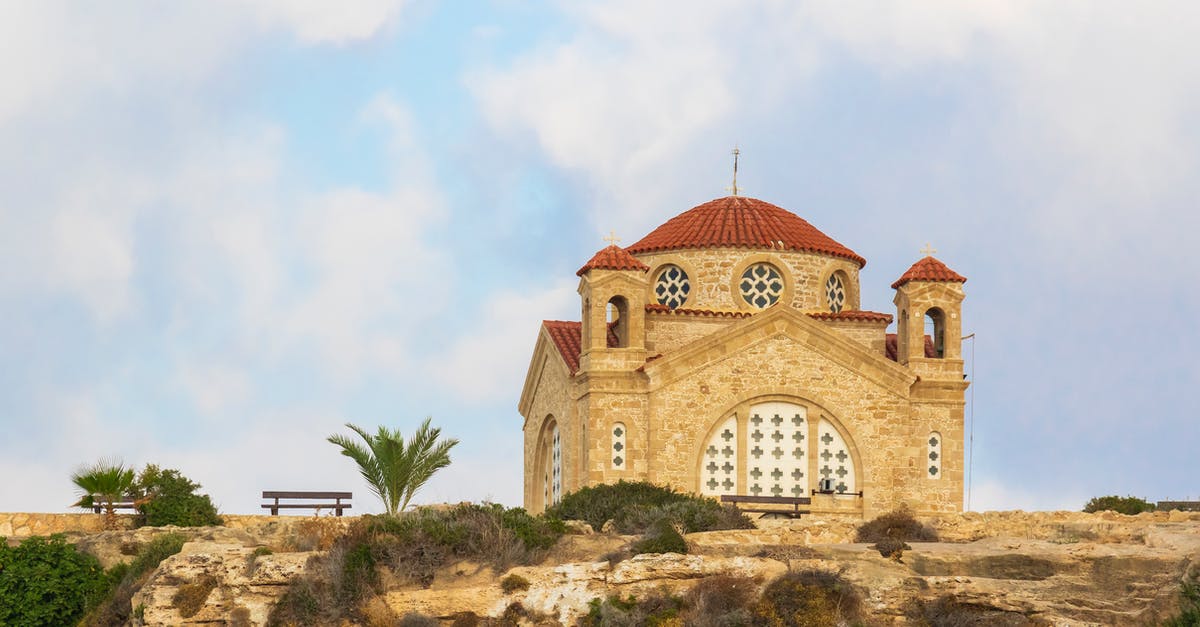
(612, 291)
(929, 319)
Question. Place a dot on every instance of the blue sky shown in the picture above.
(227, 228)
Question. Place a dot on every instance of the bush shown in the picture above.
(169, 498)
(514, 583)
(634, 506)
(412, 546)
(127, 579)
(1131, 505)
(661, 537)
(809, 598)
(896, 525)
(190, 597)
(45, 581)
(720, 601)
(657, 610)
(891, 547)
(1189, 605)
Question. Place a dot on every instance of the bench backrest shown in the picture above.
(307, 495)
(781, 500)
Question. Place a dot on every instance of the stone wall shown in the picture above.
(24, 524)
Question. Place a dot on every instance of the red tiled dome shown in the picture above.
(929, 269)
(613, 258)
(741, 222)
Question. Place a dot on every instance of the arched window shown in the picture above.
(620, 455)
(618, 320)
(935, 328)
(835, 291)
(552, 463)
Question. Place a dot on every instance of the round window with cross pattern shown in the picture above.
(761, 285)
(672, 287)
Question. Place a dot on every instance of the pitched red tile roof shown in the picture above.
(891, 347)
(613, 257)
(929, 269)
(853, 316)
(741, 222)
(568, 339)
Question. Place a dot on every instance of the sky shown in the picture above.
(229, 227)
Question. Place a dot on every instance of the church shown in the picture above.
(726, 353)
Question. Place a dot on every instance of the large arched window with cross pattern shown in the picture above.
(778, 448)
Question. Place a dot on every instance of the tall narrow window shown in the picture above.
(618, 446)
(935, 455)
(935, 328)
(835, 292)
(555, 467)
(719, 472)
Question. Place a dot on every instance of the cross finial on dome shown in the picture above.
(612, 238)
(733, 189)
(928, 250)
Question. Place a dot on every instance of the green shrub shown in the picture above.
(661, 537)
(514, 583)
(190, 597)
(126, 579)
(412, 546)
(634, 506)
(169, 498)
(897, 525)
(809, 598)
(1189, 605)
(655, 610)
(1131, 505)
(45, 581)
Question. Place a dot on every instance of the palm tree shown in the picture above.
(105, 481)
(394, 469)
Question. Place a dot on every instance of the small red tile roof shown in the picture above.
(613, 257)
(929, 269)
(853, 316)
(891, 347)
(741, 222)
(568, 339)
(684, 311)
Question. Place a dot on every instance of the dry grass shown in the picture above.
(189, 598)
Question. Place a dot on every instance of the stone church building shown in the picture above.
(726, 353)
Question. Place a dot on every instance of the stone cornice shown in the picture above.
(545, 353)
(782, 321)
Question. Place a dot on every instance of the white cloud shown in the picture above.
(320, 21)
(486, 363)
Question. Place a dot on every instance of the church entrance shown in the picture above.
(776, 448)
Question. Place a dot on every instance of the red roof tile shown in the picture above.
(853, 316)
(568, 339)
(613, 258)
(708, 313)
(891, 347)
(741, 222)
(929, 269)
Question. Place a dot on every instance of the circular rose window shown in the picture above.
(671, 288)
(761, 285)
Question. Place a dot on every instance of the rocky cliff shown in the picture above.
(1060, 568)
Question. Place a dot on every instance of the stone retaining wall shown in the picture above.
(25, 524)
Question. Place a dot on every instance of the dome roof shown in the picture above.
(929, 269)
(613, 258)
(741, 222)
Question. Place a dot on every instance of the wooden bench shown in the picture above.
(337, 505)
(795, 502)
(126, 502)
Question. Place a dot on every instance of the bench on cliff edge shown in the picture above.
(793, 501)
(126, 502)
(337, 505)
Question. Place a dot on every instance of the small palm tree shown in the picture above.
(105, 481)
(395, 469)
